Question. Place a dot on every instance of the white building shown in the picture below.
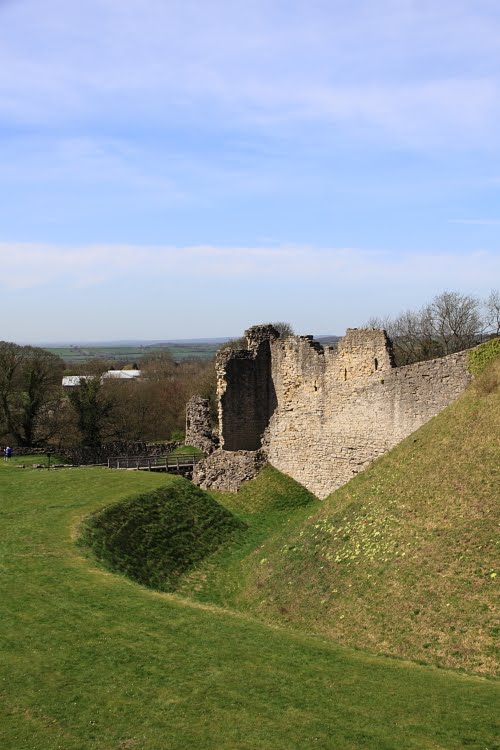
(71, 381)
(121, 375)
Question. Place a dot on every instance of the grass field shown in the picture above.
(93, 661)
(121, 355)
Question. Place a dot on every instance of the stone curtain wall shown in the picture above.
(329, 412)
(338, 411)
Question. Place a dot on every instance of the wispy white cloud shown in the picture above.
(31, 265)
(418, 73)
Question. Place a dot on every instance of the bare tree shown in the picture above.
(449, 323)
(454, 320)
(284, 329)
(159, 365)
(492, 308)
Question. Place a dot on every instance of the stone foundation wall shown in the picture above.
(85, 456)
(227, 470)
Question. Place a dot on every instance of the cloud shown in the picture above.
(31, 265)
(404, 71)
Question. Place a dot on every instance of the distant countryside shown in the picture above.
(73, 355)
(123, 354)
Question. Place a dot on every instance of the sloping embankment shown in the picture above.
(402, 559)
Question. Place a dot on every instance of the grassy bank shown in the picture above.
(403, 559)
(270, 504)
(92, 660)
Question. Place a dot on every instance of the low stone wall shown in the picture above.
(16, 451)
(83, 456)
(227, 470)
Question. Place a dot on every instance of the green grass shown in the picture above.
(76, 355)
(93, 661)
(183, 450)
(267, 505)
(483, 355)
(35, 460)
(403, 559)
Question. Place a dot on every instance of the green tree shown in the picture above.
(93, 407)
(30, 393)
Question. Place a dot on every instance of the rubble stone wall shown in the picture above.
(82, 455)
(198, 425)
(227, 470)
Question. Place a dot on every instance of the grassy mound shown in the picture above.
(402, 559)
(156, 537)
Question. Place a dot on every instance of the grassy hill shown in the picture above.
(92, 660)
(399, 561)
(402, 560)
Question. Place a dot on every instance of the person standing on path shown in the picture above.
(8, 453)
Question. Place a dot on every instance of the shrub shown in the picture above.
(482, 355)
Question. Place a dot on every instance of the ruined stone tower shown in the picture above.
(245, 390)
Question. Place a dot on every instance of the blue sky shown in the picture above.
(187, 169)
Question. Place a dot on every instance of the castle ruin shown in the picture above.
(320, 414)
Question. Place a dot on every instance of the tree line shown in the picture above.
(450, 322)
(35, 410)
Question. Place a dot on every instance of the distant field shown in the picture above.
(124, 354)
(73, 355)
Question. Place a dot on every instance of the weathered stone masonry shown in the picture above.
(245, 390)
(199, 431)
(322, 415)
